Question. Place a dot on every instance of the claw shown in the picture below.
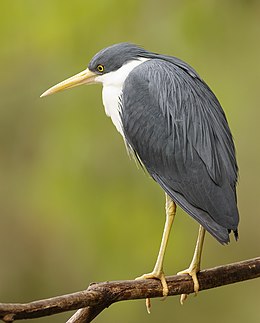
(155, 275)
(194, 267)
(193, 273)
(148, 305)
(160, 276)
(183, 298)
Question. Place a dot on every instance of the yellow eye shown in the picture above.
(100, 68)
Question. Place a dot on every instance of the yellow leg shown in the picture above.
(157, 272)
(195, 263)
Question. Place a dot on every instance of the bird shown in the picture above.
(174, 126)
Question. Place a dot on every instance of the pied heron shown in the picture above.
(175, 127)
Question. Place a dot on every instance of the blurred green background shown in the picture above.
(74, 208)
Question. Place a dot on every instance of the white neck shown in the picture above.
(112, 89)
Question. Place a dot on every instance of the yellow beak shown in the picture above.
(85, 77)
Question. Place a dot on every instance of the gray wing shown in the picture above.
(177, 128)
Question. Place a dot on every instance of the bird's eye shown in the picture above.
(100, 68)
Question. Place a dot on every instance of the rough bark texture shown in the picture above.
(98, 296)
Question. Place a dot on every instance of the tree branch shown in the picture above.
(98, 296)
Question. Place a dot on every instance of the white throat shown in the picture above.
(112, 89)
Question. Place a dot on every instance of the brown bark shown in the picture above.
(98, 296)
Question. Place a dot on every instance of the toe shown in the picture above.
(164, 286)
(183, 298)
(195, 282)
(193, 273)
(159, 276)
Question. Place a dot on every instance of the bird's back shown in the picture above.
(177, 128)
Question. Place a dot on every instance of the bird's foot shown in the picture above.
(155, 275)
(192, 271)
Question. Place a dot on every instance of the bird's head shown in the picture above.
(103, 67)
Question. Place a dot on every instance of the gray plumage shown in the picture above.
(177, 129)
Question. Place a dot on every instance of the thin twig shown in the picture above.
(98, 296)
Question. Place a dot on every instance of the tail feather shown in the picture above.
(220, 233)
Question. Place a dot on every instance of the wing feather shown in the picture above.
(176, 126)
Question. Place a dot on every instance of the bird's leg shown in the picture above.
(195, 263)
(157, 272)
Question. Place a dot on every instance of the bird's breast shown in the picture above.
(112, 89)
(111, 96)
